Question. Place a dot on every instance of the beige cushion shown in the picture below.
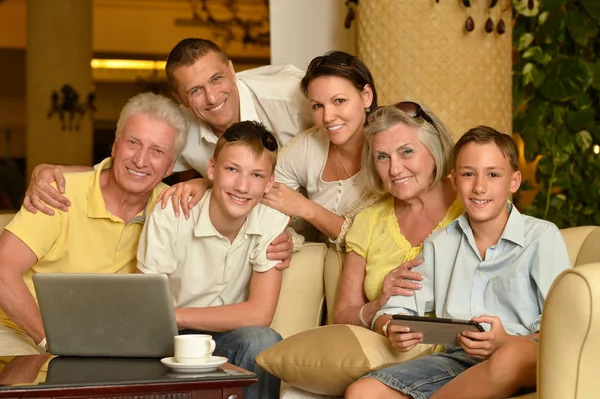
(301, 300)
(16, 343)
(325, 360)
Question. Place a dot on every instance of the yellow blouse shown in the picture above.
(375, 235)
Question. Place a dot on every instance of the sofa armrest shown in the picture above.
(570, 335)
(575, 237)
(301, 299)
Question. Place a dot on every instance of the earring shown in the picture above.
(368, 109)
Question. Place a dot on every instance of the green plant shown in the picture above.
(556, 104)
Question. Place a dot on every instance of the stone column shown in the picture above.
(420, 50)
(59, 51)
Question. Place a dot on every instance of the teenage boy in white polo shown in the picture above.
(216, 260)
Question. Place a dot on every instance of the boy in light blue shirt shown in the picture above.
(492, 265)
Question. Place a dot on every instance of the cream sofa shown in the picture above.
(570, 339)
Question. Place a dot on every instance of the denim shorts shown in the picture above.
(421, 377)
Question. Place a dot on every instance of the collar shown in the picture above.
(247, 113)
(97, 206)
(247, 108)
(205, 228)
(514, 230)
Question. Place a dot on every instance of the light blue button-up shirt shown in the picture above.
(511, 283)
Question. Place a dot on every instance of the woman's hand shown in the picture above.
(41, 192)
(286, 200)
(400, 281)
(185, 194)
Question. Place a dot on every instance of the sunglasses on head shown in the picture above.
(241, 132)
(414, 110)
(334, 58)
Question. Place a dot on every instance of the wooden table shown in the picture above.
(115, 378)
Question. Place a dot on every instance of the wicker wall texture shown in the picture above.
(419, 50)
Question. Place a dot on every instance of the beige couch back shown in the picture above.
(5, 218)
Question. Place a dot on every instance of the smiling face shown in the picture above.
(484, 179)
(240, 179)
(143, 154)
(338, 107)
(404, 164)
(208, 88)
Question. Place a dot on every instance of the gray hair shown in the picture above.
(437, 138)
(159, 107)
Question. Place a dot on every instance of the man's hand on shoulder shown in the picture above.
(41, 193)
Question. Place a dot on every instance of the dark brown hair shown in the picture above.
(186, 53)
(343, 65)
(486, 135)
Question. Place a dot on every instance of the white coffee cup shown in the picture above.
(193, 348)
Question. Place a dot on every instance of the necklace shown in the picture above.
(337, 153)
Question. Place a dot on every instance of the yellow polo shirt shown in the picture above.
(86, 239)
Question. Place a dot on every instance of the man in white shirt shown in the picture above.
(203, 80)
(220, 277)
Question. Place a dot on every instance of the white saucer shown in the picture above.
(211, 364)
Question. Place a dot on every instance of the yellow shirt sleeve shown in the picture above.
(358, 238)
(38, 231)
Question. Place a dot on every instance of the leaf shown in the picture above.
(525, 40)
(581, 27)
(553, 29)
(595, 68)
(596, 133)
(584, 140)
(533, 74)
(549, 5)
(581, 119)
(523, 9)
(583, 101)
(566, 79)
(536, 54)
(592, 7)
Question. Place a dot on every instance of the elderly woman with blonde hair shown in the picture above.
(407, 158)
(406, 161)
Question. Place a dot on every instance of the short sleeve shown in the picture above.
(37, 230)
(358, 238)
(292, 165)
(157, 245)
(274, 224)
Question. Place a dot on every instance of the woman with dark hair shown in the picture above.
(325, 160)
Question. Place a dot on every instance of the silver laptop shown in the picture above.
(114, 315)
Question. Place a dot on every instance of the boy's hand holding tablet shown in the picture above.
(406, 332)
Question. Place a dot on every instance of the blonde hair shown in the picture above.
(436, 137)
(158, 107)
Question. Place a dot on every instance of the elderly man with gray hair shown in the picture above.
(109, 205)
